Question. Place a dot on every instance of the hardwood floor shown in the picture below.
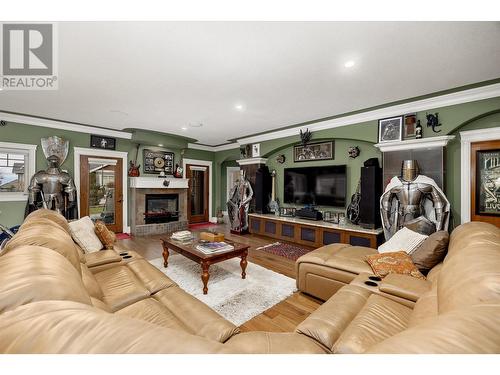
(284, 316)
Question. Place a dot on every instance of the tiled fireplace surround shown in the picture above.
(138, 200)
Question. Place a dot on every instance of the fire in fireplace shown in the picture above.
(161, 208)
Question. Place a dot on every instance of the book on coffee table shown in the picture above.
(214, 247)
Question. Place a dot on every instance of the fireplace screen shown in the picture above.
(161, 208)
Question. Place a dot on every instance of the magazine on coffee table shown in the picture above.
(214, 247)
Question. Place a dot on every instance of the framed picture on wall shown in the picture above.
(314, 151)
(106, 143)
(390, 129)
(409, 126)
(488, 182)
(156, 162)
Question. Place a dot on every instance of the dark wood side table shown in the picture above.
(205, 260)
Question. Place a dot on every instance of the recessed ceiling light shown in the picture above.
(184, 128)
(160, 144)
(239, 107)
(349, 64)
(1, 88)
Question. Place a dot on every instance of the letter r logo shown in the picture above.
(27, 49)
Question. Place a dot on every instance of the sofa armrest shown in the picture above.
(102, 257)
(404, 286)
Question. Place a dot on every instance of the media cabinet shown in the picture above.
(313, 233)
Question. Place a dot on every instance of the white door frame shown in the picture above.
(466, 138)
(79, 151)
(228, 187)
(204, 163)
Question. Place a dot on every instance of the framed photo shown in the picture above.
(287, 211)
(156, 162)
(409, 126)
(314, 151)
(390, 129)
(106, 143)
(256, 150)
(487, 182)
(331, 217)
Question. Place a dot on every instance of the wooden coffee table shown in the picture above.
(205, 260)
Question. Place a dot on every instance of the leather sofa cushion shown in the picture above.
(425, 308)
(273, 343)
(378, 320)
(50, 237)
(153, 279)
(52, 216)
(153, 311)
(341, 256)
(326, 324)
(99, 258)
(197, 316)
(120, 287)
(431, 252)
(471, 271)
(34, 273)
(90, 283)
(404, 286)
(69, 327)
(469, 330)
(97, 303)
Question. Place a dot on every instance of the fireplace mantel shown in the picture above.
(158, 183)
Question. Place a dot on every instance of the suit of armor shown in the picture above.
(404, 205)
(239, 204)
(51, 184)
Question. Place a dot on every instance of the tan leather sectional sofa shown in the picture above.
(55, 299)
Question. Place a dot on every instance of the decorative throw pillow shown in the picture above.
(404, 239)
(106, 236)
(83, 233)
(431, 252)
(395, 262)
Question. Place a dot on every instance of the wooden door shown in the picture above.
(198, 193)
(485, 182)
(101, 190)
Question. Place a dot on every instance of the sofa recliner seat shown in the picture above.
(51, 301)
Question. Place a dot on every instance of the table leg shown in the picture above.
(243, 264)
(165, 254)
(205, 276)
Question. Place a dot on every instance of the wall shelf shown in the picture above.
(412, 144)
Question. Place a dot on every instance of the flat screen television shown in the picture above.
(319, 186)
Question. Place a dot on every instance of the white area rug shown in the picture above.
(235, 299)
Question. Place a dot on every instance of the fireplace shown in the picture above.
(161, 208)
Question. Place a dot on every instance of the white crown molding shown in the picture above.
(62, 125)
(466, 138)
(227, 146)
(460, 97)
(412, 144)
(251, 161)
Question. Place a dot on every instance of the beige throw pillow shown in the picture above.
(84, 235)
(404, 239)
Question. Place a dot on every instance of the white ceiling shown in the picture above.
(166, 75)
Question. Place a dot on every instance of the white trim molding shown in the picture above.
(62, 125)
(208, 164)
(251, 161)
(78, 151)
(412, 144)
(29, 171)
(471, 95)
(157, 183)
(227, 146)
(466, 138)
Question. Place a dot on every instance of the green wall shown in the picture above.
(455, 118)
(12, 213)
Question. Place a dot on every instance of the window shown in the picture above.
(17, 165)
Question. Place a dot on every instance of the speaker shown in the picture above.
(371, 190)
(372, 162)
(262, 190)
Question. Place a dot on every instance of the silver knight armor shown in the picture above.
(53, 188)
(239, 204)
(413, 201)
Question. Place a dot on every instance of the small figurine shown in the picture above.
(353, 152)
(433, 121)
(418, 130)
